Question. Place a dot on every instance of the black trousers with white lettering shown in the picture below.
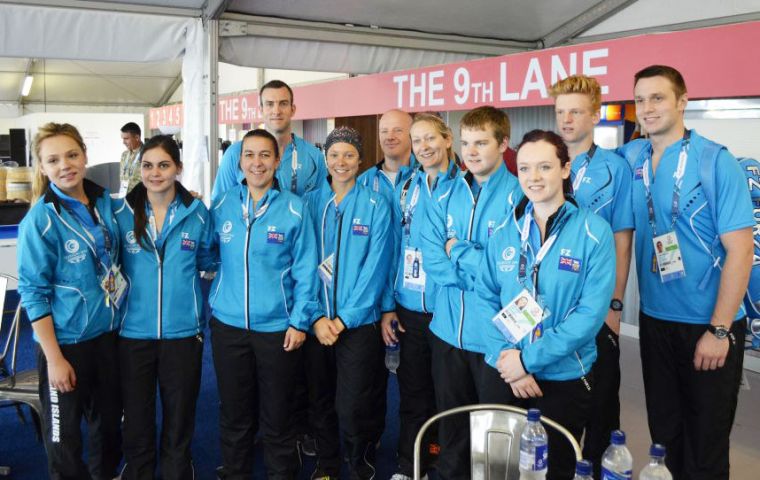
(606, 398)
(97, 398)
(175, 366)
(461, 378)
(690, 412)
(568, 403)
(252, 366)
(415, 383)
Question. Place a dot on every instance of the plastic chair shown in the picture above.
(16, 388)
(495, 439)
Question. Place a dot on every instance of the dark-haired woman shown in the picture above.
(544, 290)
(263, 300)
(166, 239)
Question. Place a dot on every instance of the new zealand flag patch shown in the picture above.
(570, 264)
(275, 237)
(188, 245)
(361, 230)
(638, 174)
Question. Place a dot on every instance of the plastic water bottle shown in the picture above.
(534, 448)
(656, 470)
(617, 462)
(583, 470)
(393, 352)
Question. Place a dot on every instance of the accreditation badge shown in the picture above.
(414, 275)
(519, 317)
(325, 269)
(667, 252)
(123, 186)
(115, 286)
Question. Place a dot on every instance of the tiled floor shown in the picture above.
(745, 437)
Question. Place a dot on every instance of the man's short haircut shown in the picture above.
(274, 85)
(579, 84)
(132, 128)
(481, 117)
(675, 77)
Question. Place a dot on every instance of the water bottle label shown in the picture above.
(535, 461)
(609, 475)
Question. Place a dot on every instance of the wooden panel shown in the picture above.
(367, 127)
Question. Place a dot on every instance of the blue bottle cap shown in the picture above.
(617, 437)
(657, 450)
(534, 415)
(583, 467)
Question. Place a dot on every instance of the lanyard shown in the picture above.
(524, 238)
(259, 212)
(683, 158)
(409, 208)
(129, 168)
(155, 235)
(582, 171)
(294, 165)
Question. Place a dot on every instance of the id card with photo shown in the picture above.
(667, 251)
(414, 275)
(519, 317)
(115, 286)
(325, 269)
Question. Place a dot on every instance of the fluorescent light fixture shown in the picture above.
(27, 85)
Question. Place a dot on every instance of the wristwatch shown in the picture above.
(720, 331)
(616, 305)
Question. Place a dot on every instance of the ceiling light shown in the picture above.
(27, 85)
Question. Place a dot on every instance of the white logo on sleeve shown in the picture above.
(71, 246)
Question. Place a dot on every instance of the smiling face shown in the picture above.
(540, 173)
(658, 110)
(576, 117)
(393, 130)
(158, 170)
(429, 145)
(278, 108)
(481, 152)
(343, 162)
(63, 162)
(259, 161)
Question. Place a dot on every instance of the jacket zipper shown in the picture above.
(469, 237)
(245, 273)
(335, 270)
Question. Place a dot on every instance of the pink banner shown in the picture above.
(718, 62)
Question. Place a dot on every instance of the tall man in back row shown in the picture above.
(129, 165)
(302, 166)
(692, 324)
(601, 183)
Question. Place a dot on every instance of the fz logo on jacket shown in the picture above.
(74, 255)
(226, 236)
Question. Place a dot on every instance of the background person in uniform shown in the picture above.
(67, 251)
(166, 242)
(415, 293)
(601, 182)
(555, 254)
(456, 231)
(692, 324)
(302, 166)
(129, 165)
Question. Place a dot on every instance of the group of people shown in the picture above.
(498, 288)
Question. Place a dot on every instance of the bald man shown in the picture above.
(395, 168)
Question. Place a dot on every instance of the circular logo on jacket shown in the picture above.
(508, 254)
(449, 221)
(71, 246)
(227, 227)
(131, 236)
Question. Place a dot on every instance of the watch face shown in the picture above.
(616, 305)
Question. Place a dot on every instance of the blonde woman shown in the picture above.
(71, 288)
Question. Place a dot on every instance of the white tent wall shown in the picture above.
(654, 14)
(107, 35)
